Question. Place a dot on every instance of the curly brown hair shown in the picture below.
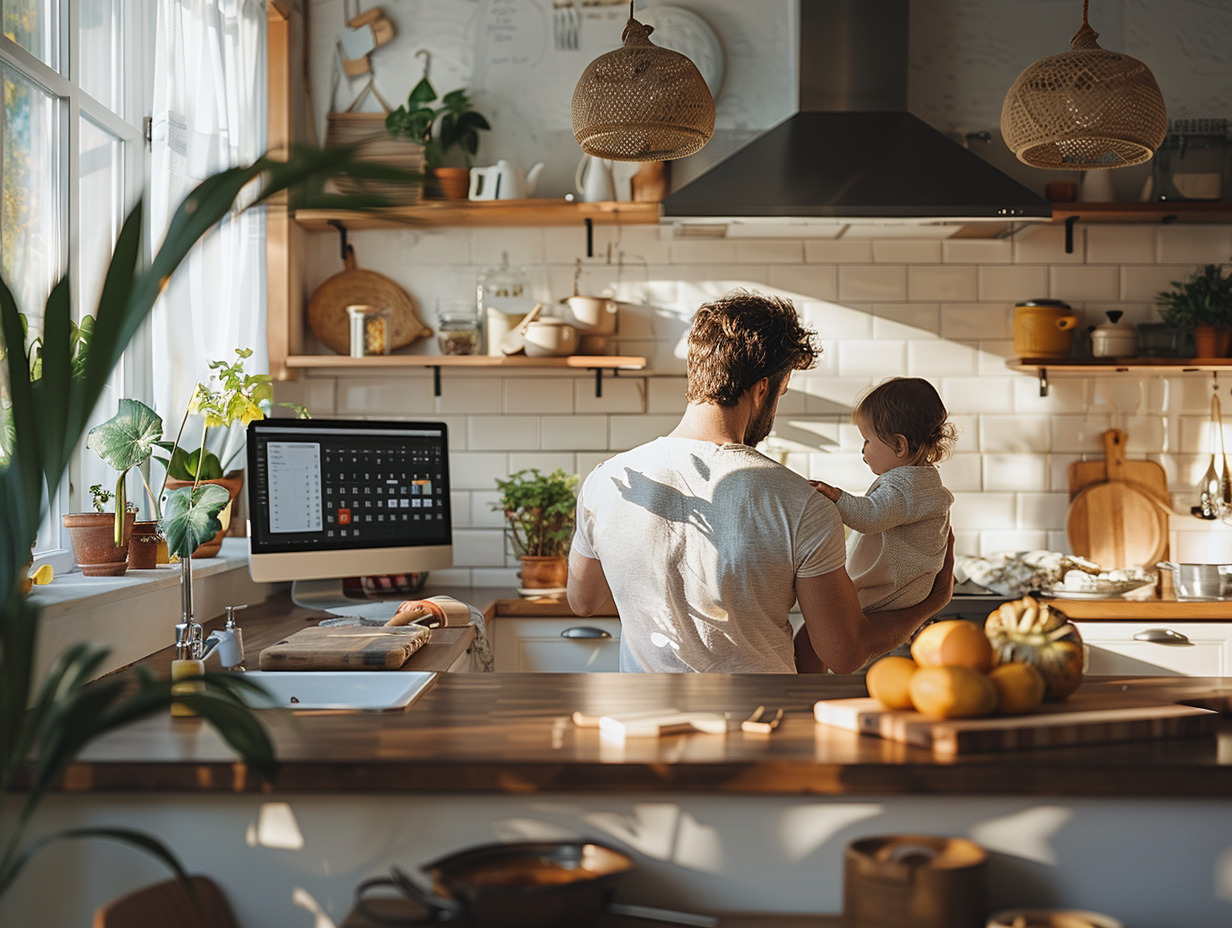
(740, 338)
(911, 407)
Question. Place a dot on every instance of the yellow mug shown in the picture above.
(1043, 329)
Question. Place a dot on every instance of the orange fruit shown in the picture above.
(954, 643)
(1020, 687)
(889, 681)
(952, 693)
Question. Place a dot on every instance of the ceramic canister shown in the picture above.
(1043, 329)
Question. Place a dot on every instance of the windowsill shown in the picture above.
(135, 615)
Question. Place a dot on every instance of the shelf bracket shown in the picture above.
(342, 235)
(1069, 234)
(590, 237)
(436, 380)
(598, 382)
(1043, 381)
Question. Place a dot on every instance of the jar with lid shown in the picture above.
(457, 329)
(371, 329)
(1114, 339)
(1192, 162)
(503, 298)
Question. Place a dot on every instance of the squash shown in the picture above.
(1031, 631)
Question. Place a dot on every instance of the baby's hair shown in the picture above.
(909, 406)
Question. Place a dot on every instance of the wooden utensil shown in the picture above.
(1147, 476)
(1081, 719)
(1116, 524)
(347, 648)
(327, 309)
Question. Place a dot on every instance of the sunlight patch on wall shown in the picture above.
(804, 830)
(1027, 834)
(276, 826)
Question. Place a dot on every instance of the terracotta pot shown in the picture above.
(1206, 341)
(454, 183)
(539, 573)
(92, 535)
(143, 546)
(232, 483)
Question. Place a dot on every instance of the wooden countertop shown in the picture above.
(1161, 608)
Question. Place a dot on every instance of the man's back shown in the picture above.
(700, 544)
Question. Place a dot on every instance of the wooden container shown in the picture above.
(924, 881)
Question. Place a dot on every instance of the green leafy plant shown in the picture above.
(539, 510)
(99, 497)
(1202, 298)
(43, 729)
(125, 441)
(439, 129)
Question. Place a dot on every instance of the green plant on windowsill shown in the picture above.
(43, 729)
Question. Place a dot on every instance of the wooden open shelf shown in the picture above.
(1143, 212)
(1121, 365)
(463, 213)
(372, 362)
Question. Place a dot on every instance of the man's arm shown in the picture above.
(843, 637)
(588, 592)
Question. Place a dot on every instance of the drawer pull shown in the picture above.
(1160, 636)
(585, 631)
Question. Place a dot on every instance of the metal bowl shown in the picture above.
(1200, 581)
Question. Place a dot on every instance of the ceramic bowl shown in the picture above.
(550, 338)
(592, 315)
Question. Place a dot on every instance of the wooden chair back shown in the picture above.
(168, 903)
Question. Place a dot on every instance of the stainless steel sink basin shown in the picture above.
(339, 689)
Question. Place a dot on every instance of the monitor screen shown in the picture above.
(335, 498)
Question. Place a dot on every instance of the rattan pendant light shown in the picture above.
(1085, 108)
(642, 102)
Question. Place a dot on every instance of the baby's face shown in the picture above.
(879, 456)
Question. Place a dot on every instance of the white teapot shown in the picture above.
(593, 179)
(503, 181)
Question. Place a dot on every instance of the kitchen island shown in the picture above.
(736, 822)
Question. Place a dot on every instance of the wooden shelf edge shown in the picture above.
(1194, 211)
(442, 213)
(1157, 365)
(573, 362)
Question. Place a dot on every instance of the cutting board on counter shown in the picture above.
(1080, 720)
(345, 648)
(1119, 509)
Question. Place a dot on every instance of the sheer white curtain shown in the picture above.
(210, 111)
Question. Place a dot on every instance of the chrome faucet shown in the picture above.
(228, 641)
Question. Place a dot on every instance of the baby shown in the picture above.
(901, 525)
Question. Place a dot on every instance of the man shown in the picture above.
(702, 544)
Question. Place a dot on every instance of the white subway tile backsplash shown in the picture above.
(1015, 434)
(489, 246)
(975, 395)
(1019, 473)
(478, 548)
(889, 251)
(1075, 283)
(770, 251)
(906, 320)
(962, 472)
(1194, 244)
(933, 358)
(482, 513)
(872, 282)
(1082, 434)
(834, 320)
(1046, 245)
(1011, 283)
(1042, 510)
(620, 394)
(1141, 282)
(845, 470)
(468, 395)
(977, 251)
(945, 282)
(560, 433)
(806, 282)
(982, 511)
(405, 397)
(824, 251)
(542, 394)
(510, 433)
(665, 395)
(543, 461)
(625, 432)
(470, 470)
(703, 251)
(975, 321)
(873, 357)
(1120, 244)
(995, 542)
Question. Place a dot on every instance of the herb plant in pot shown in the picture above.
(449, 134)
(540, 510)
(1202, 304)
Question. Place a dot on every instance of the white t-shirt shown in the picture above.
(901, 528)
(701, 544)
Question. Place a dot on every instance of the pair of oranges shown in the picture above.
(953, 673)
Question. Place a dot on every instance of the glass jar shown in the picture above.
(371, 329)
(503, 297)
(457, 330)
(1192, 162)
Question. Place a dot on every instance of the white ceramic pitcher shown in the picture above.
(503, 181)
(593, 179)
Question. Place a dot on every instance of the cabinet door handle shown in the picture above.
(1161, 636)
(585, 631)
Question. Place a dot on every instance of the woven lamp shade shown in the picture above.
(642, 102)
(1085, 108)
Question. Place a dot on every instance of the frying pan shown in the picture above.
(529, 884)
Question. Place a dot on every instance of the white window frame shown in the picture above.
(133, 377)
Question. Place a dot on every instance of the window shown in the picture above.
(76, 85)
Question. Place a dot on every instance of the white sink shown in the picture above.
(339, 689)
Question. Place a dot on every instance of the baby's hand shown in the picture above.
(829, 492)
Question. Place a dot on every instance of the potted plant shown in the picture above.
(1201, 303)
(449, 133)
(540, 510)
(42, 731)
(232, 395)
(92, 536)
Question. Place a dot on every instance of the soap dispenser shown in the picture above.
(1114, 339)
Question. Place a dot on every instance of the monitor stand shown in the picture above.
(319, 594)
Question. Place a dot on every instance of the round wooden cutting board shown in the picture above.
(1115, 525)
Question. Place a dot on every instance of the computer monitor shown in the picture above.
(336, 498)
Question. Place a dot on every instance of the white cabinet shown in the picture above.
(1162, 648)
(555, 645)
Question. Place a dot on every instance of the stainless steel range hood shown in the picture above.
(853, 154)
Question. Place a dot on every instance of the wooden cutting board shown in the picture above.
(1147, 476)
(1081, 719)
(346, 648)
(1115, 524)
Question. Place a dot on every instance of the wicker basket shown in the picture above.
(1085, 108)
(368, 131)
